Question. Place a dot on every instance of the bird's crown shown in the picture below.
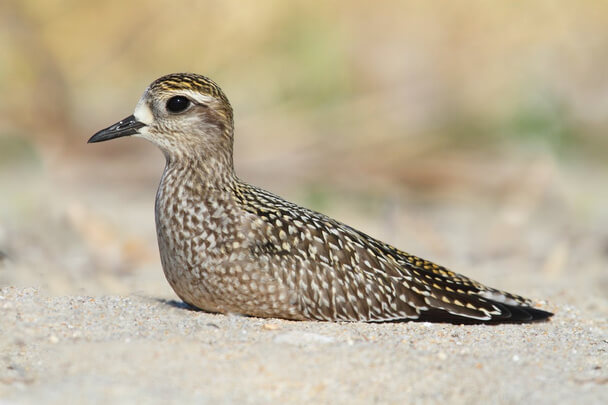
(188, 81)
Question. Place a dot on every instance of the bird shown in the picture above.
(230, 247)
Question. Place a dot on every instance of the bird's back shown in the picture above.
(339, 273)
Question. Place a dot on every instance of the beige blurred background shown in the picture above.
(472, 133)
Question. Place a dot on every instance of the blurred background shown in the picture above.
(472, 133)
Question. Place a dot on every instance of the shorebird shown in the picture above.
(230, 247)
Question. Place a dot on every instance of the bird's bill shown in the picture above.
(125, 127)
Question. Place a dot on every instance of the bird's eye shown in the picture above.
(177, 104)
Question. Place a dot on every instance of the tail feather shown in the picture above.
(476, 303)
(456, 298)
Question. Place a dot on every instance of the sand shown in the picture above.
(144, 349)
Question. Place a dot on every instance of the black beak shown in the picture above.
(127, 126)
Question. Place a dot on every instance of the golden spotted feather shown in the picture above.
(339, 273)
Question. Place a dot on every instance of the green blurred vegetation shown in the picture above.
(359, 87)
(17, 150)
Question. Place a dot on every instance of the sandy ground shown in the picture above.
(150, 350)
(87, 317)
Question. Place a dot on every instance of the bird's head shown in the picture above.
(186, 115)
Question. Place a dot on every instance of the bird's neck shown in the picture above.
(200, 172)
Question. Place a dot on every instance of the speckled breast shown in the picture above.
(205, 243)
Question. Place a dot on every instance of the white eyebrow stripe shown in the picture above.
(198, 97)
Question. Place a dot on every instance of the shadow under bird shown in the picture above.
(227, 246)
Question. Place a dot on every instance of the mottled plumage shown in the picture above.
(230, 247)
